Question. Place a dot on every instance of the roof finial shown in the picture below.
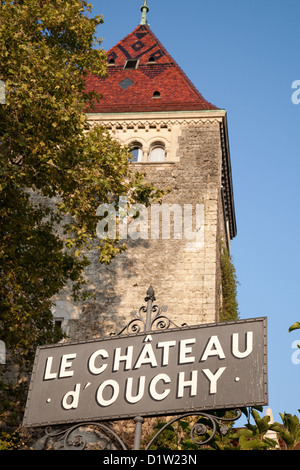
(144, 10)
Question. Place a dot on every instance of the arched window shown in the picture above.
(157, 152)
(136, 150)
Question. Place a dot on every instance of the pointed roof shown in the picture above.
(142, 76)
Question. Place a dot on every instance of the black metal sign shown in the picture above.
(178, 370)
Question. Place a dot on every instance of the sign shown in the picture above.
(204, 367)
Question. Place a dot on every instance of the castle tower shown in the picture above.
(180, 141)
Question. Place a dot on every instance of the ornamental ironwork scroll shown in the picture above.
(81, 436)
(149, 317)
(203, 429)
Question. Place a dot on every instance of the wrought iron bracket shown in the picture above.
(149, 317)
(209, 425)
(81, 436)
(99, 436)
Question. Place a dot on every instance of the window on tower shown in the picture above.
(136, 150)
(157, 152)
(58, 323)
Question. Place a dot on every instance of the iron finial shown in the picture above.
(150, 293)
(144, 10)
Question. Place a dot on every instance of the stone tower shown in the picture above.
(180, 141)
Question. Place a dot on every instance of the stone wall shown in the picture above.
(186, 278)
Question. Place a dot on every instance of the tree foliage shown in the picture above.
(54, 169)
(254, 435)
(229, 304)
(290, 431)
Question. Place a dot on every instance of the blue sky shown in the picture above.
(243, 57)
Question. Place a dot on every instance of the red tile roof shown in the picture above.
(131, 90)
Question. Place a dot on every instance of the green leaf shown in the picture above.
(295, 326)
(261, 423)
(250, 444)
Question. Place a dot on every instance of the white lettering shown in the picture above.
(115, 460)
(213, 378)
(187, 383)
(152, 389)
(166, 210)
(74, 395)
(138, 227)
(115, 392)
(48, 374)
(123, 218)
(91, 364)
(66, 365)
(249, 345)
(151, 459)
(141, 389)
(107, 227)
(213, 348)
(296, 354)
(166, 348)
(148, 339)
(147, 356)
(296, 94)
(184, 350)
(127, 358)
(196, 237)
